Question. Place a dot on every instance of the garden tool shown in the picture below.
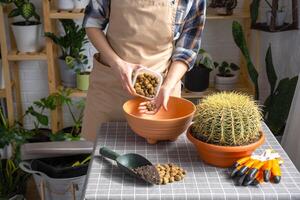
(129, 162)
(258, 168)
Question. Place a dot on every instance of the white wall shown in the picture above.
(217, 40)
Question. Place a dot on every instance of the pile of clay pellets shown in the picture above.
(146, 85)
(169, 173)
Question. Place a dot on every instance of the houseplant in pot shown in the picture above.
(226, 127)
(227, 76)
(64, 99)
(224, 7)
(27, 33)
(41, 121)
(71, 46)
(197, 79)
(12, 179)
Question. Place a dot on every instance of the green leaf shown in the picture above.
(254, 10)
(14, 13)
(234, 67)
(272, 77)
(239, 38)
(279, 106)
(27, 10)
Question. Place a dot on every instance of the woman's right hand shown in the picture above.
(124, 71)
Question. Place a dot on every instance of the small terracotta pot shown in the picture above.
(223, 156)
(164, 125)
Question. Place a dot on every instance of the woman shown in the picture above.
(164, 35)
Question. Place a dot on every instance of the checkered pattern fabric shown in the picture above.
(106, 181)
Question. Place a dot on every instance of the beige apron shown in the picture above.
(140, 32)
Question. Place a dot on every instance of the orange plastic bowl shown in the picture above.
(164, 125)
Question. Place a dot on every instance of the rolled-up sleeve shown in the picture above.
(189, 42)
(97, 14)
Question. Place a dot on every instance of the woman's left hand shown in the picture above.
(160, 101)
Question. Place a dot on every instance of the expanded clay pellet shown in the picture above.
(146, 85)
(169, 173)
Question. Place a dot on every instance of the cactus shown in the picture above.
(227, 119)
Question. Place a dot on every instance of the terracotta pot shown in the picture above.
(223, 156)
(164, 125)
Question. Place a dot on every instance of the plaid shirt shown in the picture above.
(190, 17)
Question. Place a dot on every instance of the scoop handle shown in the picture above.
(106, 152)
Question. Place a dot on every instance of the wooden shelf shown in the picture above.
(62, 14)
(2, 93)
(214, 16)
(18, 56)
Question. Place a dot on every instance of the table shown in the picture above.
(106, 181)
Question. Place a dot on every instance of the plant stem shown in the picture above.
(269, 4)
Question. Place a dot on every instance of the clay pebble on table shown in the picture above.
(170, 172)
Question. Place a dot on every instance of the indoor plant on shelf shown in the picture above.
(28, 32)
(64, 99)
(224, 7)
(37, 111)
(226, 127)
(12, 179)
(197, 79)
(71, 45)
(227, 76)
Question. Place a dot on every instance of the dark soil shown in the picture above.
(148, 173)
(72, 130)
(229, 75)
(30, 23)
(85, 73)
(42, 135)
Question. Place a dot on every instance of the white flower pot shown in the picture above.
(6, 152)
(65, 4)
(225, 83)
(81, 4)
(280, 17)
(55, 188)
(27, 36)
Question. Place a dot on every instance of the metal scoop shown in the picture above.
(129, 162)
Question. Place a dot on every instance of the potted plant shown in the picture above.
(75, 130)
(71, 45)
(197, 79)
(27, 33)
(37, 111)
(12, 179)
(227, 76)
(224, 7)
(226, 127)
(280, 15)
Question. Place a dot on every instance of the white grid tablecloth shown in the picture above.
(106, 181)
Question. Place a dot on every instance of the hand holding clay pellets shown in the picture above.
(146, 84)
(150, 106)
(169, 173)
